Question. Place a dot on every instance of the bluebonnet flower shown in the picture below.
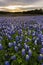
(17, 38)
(29, 52)
(19, 45)
(1, 47)
(23, 52)
(42, 43)
(40, 57)
(35, 42)
(1, 38)
(14, 43)
(27, 57)
(13, 57)
(42, 64)
(16, 48)
(41, 50)
(7, 63)
(26, 47)
(10, 44)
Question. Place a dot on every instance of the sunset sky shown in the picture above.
(20, 5)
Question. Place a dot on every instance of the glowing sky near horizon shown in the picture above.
(20, 5)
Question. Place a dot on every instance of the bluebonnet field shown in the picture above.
(21, 40)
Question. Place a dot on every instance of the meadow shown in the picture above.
(21, 40)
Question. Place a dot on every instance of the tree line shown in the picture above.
(32, 12)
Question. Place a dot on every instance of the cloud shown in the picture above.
(17, 2)
(21, 2)
(24, 4)
(39, 3)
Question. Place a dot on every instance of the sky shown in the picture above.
(20, 5)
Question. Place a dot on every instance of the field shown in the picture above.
(21, 40)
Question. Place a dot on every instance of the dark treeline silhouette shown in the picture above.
(32, 12)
